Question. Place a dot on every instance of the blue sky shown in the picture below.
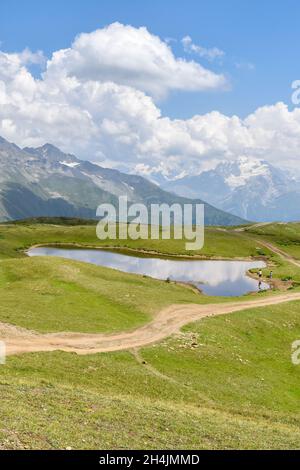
(154, 87)
(264, 33)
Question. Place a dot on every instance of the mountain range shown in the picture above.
(45, 181)
(249, 188)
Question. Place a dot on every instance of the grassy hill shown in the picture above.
(223, 382)
(285, 236)
(236, 389)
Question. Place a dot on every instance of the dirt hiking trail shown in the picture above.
(267, 244)
(165, 323)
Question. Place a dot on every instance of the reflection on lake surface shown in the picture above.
(221, 278)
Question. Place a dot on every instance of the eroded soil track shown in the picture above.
(166, 323)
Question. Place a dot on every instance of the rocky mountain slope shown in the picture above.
(45, 181)
(249, 188)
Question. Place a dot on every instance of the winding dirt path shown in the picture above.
(267, 244)
(166, 323)
(280, 252)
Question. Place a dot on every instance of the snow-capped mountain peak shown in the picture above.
(244, 169)
(247, 187)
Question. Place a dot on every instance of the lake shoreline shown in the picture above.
(211, 277)
(146, 253)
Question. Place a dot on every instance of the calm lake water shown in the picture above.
(221, 278)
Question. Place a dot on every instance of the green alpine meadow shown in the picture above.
(220, 382)
(149, 233)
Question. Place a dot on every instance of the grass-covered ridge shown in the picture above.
(17, 237)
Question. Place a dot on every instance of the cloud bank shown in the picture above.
(98, 99)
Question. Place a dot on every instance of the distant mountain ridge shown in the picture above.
(45, 181)
(249, 188)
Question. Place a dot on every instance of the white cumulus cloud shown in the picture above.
(108, 115)
(134, 57)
